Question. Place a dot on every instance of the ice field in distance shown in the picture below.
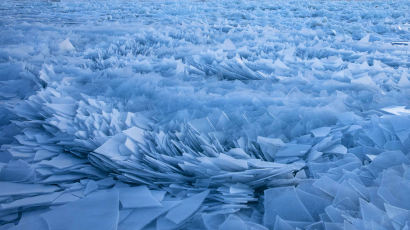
(244, 115)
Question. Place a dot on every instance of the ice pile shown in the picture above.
(204, 115)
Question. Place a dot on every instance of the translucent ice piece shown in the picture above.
(233, 222)
(137, 197)
(291, 150)
(15, 189)
(187, 207)
(140, 217)
(78, 216)
(285, 203)
(321, 132)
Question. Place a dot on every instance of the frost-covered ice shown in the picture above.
(204, 115)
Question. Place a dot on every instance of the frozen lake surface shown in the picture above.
(204, 115)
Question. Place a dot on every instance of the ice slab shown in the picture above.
(137, 197)
(285, 203)
(186, 208)
(75, 215)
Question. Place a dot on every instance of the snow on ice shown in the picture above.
(204, 115)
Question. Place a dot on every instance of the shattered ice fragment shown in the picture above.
(387, 159)
(228, 45)
(269, 146)
(137, 197)
(397, 110)
(285, 203)
(279, 65)
(212, 221)
(338, 149)
(290, 150)
(35, 223)
(237, 153)
(397, 214)
(187, 207)
(228, 163)
(404, 81)
(66, 45)
(16, 171)
(282, 224)
(321, 132)
(137, 134)
(365, 81)
(15, 189)
(111, 148)
(90, 187)
(32, 201)
(233, 222)
(314, 154)
(62, 161)
(141, 217)
(77, 216)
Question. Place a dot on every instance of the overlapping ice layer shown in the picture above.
(204, 115)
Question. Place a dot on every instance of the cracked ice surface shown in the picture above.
(204, 115)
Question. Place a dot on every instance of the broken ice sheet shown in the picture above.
(290, 150)
(187, 207)
(321, 132)
(16, 189)
(140, 217)
(77, 216)
(137, 197)
(111, 148)
(397, 110)
(233, 222)
(16, 171)
(63, 160)
(31, 220)
(33, 201)
(285, 203)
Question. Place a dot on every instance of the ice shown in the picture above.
(137, 134)
(281, 224)
(9, 188)
(397, 110)
(225, 162)
(233, 222)
(212, 221)
(111, 148)
(186, 208)
(321, 132)
(285, 203)
(290, 150)
(90, 187)
(62, 161)
(337, 149)
(66, 45)
(204, 115)
(397, 214)
(32, 201)
(76, 216)
(141, 217)
(44, 154)
(387, 159)
(16, 171)
(37, 223)
(270, 146)
(237, 153)
(228, 45)
(404, 81)
(137, 197)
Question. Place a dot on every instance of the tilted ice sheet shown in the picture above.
(204, 115)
